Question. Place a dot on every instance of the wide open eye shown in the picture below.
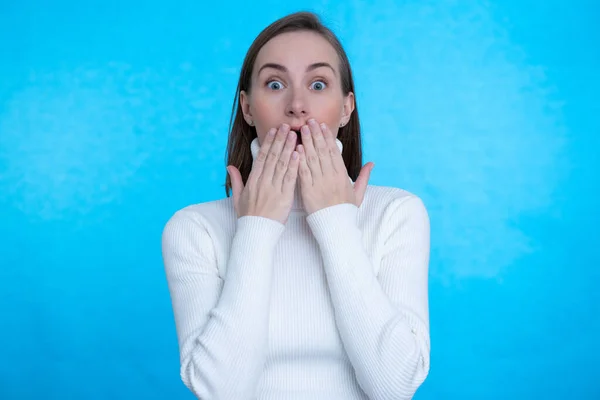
(318, 85)
(275, 85)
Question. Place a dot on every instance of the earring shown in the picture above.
(342, 124)
(251, 123)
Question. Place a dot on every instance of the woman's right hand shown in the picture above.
(269, 191)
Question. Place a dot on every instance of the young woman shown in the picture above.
(307, 283)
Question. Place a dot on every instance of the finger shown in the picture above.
(275, 152)
(360, 185)
(284, 159)
(289, 180)
(321, 147)
(304, 172)
(310, 154)
(261, 158)
(337, 161)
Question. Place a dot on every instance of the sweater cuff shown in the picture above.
(335, 227)
(258, 233)
(254, 243)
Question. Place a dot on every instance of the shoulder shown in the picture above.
(391, 200)
(388, 210)
(211, 217)
(397, 217)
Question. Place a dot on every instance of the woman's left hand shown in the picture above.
(324, 179)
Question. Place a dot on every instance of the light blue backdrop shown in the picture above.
(113, 115)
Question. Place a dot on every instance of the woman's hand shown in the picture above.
(269, 191)
(323, 176)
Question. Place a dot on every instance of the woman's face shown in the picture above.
(295, 78)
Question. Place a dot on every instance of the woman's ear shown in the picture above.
(245, 105)
(347, 108)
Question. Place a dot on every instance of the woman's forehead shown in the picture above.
(297, 49)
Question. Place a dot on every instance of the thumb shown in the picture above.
(236, 184)
(360, 186)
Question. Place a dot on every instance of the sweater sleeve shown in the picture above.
(221, 324)
(383, 319)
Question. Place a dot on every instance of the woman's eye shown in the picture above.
(318, 85)
(274, 85)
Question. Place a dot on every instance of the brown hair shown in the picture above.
(241, 134)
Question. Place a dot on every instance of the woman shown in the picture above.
(308, 283)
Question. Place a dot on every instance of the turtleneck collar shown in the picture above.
(297, 205)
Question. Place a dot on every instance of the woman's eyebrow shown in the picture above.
(281, 68)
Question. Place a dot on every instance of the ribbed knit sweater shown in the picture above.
(331, 305)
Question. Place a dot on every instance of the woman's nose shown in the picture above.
(297, 105)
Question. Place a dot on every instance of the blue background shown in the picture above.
(113, 115)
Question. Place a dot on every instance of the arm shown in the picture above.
(222, 325)
(383, 320)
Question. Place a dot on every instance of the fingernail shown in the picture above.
(312, 121)
(323, 126)
(305, 130)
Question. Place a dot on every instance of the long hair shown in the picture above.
(241, 134)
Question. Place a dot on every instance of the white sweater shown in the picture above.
(331, 305)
